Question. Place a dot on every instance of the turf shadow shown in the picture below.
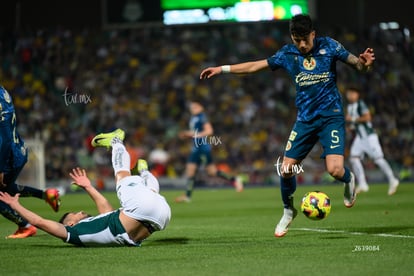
(168, 241)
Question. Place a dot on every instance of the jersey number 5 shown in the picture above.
(335, 139)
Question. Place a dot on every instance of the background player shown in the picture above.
(200, 155)
(310, 61)
(143, 210)
(366, 141)
(13, 157)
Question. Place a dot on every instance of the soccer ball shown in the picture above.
(315, 205)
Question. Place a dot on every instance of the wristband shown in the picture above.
(225, 69)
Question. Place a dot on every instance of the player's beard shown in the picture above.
(304, 50)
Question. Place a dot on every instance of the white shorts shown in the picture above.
(141, 203)
(369, 145)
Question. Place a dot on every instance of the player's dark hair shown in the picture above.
(354, 88)
(198, 99)
(62, 219)
(301, 25)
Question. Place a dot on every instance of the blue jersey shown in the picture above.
(197, 126)
(12, 150)
(6, 106)
(314, 75)
(6, 128)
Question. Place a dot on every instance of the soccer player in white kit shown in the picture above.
(143, 210)
(365, 142)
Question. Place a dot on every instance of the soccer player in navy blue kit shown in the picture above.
(311, 63)
(199, 132)
(13, 157)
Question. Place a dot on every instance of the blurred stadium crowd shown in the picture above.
(69, 85)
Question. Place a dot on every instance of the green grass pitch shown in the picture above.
(222, 232)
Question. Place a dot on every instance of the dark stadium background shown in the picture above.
(350, 21)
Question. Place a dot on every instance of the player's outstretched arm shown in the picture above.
(186, 134)
(364, 61)
(52, 227)
(207, 130)
(240, 68)
(80, 178)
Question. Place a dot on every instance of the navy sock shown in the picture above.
(287, 188)
(346, 177)
(25, 191)
(190, 186)
(12, 215)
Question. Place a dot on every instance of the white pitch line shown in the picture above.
(352, 233)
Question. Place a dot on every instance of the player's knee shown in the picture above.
(212, 170)
(286, 171)
(379, 160)
(336, 171)
(288, 167)
(286, 174)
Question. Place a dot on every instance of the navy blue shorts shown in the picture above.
(200, 157)
(329, 131)
(19, 159)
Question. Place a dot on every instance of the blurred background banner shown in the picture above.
(352, 14)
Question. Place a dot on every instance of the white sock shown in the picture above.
(151, 181)
(121, 160)
(359, 172)
(386, 168)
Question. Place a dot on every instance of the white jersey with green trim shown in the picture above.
(104, 229)
(356, 110)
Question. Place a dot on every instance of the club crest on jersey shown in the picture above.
(309, 63)
(288, 145)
